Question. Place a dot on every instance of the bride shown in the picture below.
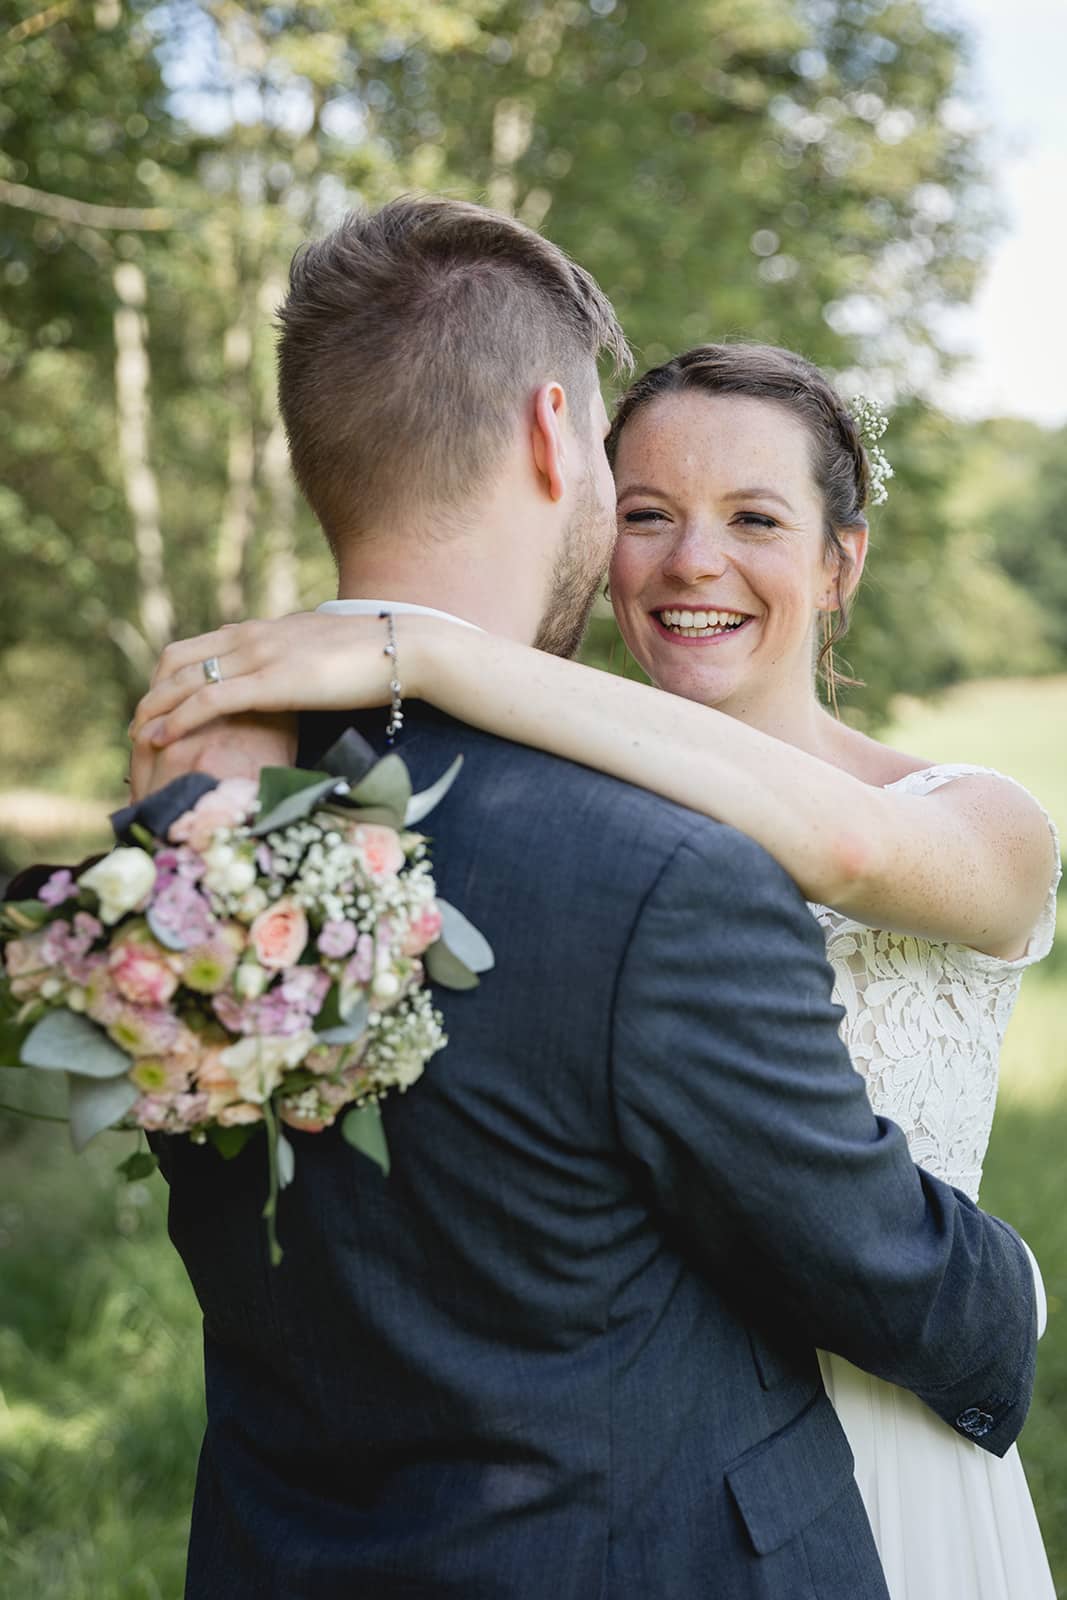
(742, 483)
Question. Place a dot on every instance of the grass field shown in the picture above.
(100, 1380)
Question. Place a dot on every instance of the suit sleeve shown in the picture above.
(758, 1146)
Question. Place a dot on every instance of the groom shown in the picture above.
(566, 1350)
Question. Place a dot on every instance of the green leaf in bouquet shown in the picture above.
(66, 1041)
(386, 790)
(229, 1142)
(96, 1104)
(297, 794)
(464, 940)
(420, 805)
(446, 969)
(286, 1162)
(364, 1131)
(141, 1164)
(346, 1022)
(14, 1028)
(26, 916)
(143, 836)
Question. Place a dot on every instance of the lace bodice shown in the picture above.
(924, 1022)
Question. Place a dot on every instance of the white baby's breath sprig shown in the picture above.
(871, 422)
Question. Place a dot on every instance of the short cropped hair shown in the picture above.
(411, 340)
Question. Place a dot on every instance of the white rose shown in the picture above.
(251, 979)
(256, 1065)
(121, 881)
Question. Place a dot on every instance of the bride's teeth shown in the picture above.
(701, 624)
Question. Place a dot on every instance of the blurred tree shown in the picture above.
(796, 170)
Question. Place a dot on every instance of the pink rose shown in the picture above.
(423, 930)
(142, 973)
(279, 934)
(226, 806)
(378, 846)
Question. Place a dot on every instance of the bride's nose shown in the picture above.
(696, 555)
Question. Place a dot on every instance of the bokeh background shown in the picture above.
(828, 174)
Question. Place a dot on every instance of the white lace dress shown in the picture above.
(924, 1025)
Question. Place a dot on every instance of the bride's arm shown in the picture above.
(970, 863)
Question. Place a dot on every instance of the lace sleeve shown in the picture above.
(1040, 941)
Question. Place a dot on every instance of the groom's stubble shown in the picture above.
(580, 566)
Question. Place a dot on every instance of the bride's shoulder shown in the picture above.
(872, 761)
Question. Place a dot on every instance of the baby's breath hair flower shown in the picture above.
(871, 422)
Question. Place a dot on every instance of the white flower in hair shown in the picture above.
(872, 422)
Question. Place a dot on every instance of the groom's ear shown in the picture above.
(547, 437)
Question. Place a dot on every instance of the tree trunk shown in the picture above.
(280, 590)
(155, 609)
(237, 512)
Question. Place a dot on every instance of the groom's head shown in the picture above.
(437, 358)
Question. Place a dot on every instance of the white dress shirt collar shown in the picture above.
(366, 608)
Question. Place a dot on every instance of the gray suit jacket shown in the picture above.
(566, 1349)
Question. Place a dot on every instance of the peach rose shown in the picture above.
(237, 1115)
(279, 934)
(380, 852)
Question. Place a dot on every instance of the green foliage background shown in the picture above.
(808, 172)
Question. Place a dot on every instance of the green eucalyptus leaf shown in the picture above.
(420, 805)
(286, 1162)
(66, 1041)
(364, 1131)
(446, 969)
(386, 788)
(464, 940)
(97, 1104)
(141, 1164)
(352, 1026)
(229, 1142)
(300, 802)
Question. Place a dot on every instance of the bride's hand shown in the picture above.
(309, 661)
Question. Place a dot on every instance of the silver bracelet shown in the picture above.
(396, 708)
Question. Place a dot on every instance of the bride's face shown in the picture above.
(720, 566)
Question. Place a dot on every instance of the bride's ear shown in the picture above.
(848, 569)
(547, 437)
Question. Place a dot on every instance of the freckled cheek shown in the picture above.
(629, 576)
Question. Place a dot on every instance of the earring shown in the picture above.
(827, 659)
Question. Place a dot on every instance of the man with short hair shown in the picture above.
(567, 1348)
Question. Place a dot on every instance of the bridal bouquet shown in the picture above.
(249, 955)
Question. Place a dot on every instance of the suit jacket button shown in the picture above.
(974, 1422)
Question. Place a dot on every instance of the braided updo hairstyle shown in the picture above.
(838, 458)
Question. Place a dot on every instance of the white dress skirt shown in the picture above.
(924, 1024)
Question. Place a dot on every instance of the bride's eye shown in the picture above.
(646, 514)
(754, 519)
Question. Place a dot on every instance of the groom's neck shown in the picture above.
(459, 582)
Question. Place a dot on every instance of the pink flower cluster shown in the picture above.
(208, 960)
